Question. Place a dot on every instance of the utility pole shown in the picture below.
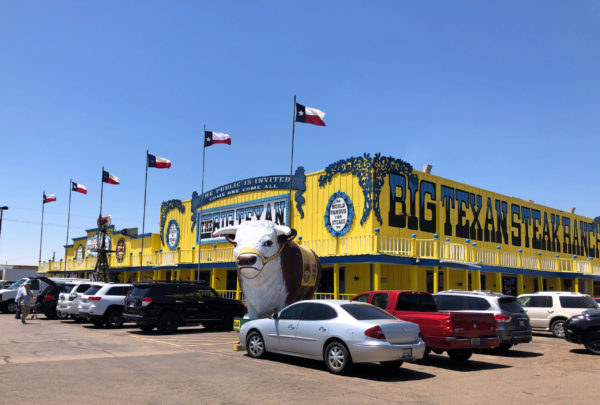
(4, 207)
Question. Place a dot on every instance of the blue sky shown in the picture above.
(499, 95)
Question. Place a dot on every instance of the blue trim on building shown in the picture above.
(383, 259)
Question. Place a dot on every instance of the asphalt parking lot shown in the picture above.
(55, 361)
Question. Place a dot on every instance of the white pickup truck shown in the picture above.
(8, 295)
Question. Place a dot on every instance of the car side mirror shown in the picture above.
(275, 316)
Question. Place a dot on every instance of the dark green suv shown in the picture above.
(168, 305)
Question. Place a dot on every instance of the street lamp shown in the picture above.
(4, 207)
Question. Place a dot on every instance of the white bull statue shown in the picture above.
(273, 270)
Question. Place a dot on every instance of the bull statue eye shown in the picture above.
(268, 243)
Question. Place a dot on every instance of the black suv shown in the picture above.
(167, 306)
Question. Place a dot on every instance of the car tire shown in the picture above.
(255, 345)
(391, 365)
(459, 355)
(114, 318)
(167, 323)
(146, 328)
(337, 357)
(61, 315)
(77, 319)
(591, 341)
(10, 307)
(558, 328)
(502, 348)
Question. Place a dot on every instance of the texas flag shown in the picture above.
(49, 198)
(309, 115)
(109, 178)
(211, 138)
(158, 162)
(80, 188)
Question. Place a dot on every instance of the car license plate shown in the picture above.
(521, 322)
(131, 304)
(406, 353)
(475, 342)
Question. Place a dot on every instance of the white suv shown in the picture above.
(68, 301)
(549, 310)
(105, 305)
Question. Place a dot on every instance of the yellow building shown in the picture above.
(376, 224)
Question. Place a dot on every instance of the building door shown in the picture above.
(509, 286)
(231, 283)
(430, 280)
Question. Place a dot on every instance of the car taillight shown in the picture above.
(48, 297)
(502, 318)
(94, 298)
(146, 301)
(447, 326)
(375, 332)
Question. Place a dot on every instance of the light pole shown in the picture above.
(4, 207)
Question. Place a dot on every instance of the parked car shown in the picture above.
(549, 310)
(585, 328)
(512, 320)
(458, 334)
(166, 306)
(597, 299)
(68, 301)
(338, 332)
(47, 301)
(104, 304)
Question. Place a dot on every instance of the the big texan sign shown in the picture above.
(417, 201)
(469, 213)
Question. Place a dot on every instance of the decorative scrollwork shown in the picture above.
(371, 173)
(165, 208)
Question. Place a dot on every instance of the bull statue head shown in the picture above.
(271, 266)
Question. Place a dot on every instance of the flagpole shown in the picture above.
(42, 228)
(68, 219)
(201, 198)
(292, 157)
(101, 194)
(144, 216)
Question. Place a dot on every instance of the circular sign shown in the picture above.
(79, 254)
(172, 237)
(120, 251)
(339, 214)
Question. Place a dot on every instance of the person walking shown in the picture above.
(24, 300)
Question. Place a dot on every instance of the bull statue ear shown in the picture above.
(229, 233)
(285, 233)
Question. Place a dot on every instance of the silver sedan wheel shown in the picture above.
(255, 345)
(337, 357)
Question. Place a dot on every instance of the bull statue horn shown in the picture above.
(229, 230)
(282, 230)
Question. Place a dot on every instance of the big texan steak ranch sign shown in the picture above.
(479, 215)
(274, 209)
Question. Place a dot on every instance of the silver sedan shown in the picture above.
(338, 332)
